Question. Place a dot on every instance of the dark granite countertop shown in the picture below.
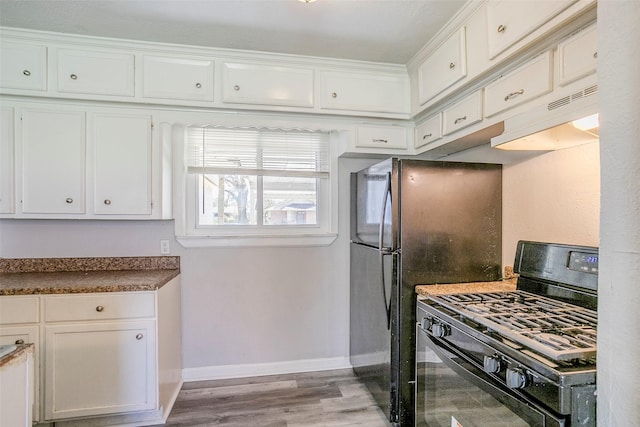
(508, 283)
(85, 275)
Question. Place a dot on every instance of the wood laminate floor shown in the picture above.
(315, 399)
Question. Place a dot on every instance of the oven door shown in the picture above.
(452, 391)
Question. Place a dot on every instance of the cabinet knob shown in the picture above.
(139, 337)
(334, 95)
(69, 200)
(452, 65)
(502, 28)
(19, 342)
(99, 309)
(198, 85)
(107, 202)
(384, 141)
(514, 94)
(595, 55)
(73, 77)
(460, 119)
(236, 88)
(26, 72)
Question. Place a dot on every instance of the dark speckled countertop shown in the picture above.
(508, 283)
(28, 276)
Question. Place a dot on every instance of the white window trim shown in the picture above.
(322, 235)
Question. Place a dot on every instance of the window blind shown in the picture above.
(257, 151)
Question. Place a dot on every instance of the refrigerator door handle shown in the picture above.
(385, 250)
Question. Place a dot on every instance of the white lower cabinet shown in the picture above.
(99, 368)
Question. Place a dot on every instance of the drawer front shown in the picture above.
(463, 114)
(267, 85)
(19, 309)
(578, 56)
(99, 306)
(381, 137)
(175, 78)
(23, 66)
(521, 85)
(98, 73)
(429, 131)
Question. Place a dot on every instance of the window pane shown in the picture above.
(227, 199)
(290, 201)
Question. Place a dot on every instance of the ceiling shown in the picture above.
(390, 31)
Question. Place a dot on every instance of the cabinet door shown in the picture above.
(364, 92)
(510, 21)
(371, 136)
(23, 66)
(122, 162)
(267, 85)
(527, 82)
(22, 335)
(577, 56)
(97, 73)
(53, 161)
(428, 131)
(101, 368)
(6, 160)
(177, 78)
(463, 113)
(444, 67)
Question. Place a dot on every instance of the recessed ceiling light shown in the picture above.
(306, 1)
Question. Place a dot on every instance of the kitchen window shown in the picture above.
(257, 182)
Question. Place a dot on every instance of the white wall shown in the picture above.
(245, 310)
(619, 277)
(554, 197)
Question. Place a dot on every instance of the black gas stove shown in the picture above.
(536, 344)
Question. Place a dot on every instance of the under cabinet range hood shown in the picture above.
(552, 126)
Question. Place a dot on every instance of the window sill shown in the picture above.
(257, 241)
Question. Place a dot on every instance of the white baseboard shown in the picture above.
(260, 369)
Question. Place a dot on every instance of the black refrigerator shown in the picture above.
(413, 222)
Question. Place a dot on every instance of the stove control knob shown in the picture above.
(492, 364)
(426, 322)
(516, 378)
(440, 330)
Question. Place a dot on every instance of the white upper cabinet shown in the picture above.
(6, 160)
(577, 56)
(428, 131)
(122, 164)
(52, 153)
(444, 67)
(378, 136)
(23, 66)
(463, 113)
(177, 78)
(96, 73)
(267, 85)
(527, 82)
(510, 21)
(374, 92)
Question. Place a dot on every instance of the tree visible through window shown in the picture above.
(258, 178)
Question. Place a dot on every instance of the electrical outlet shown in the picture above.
(165, 249)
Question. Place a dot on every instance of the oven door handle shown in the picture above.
(515, 400)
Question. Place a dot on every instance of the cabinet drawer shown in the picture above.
(370, 136)
(429, 131)
(99, 306)
(577, 56)
(364, 92)
(521, 85)
(23, 66)
(177, 78)
(267, 85)
(463, 113)
(19, 309)
(510, 21)
(444, 67)
(98, 73)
